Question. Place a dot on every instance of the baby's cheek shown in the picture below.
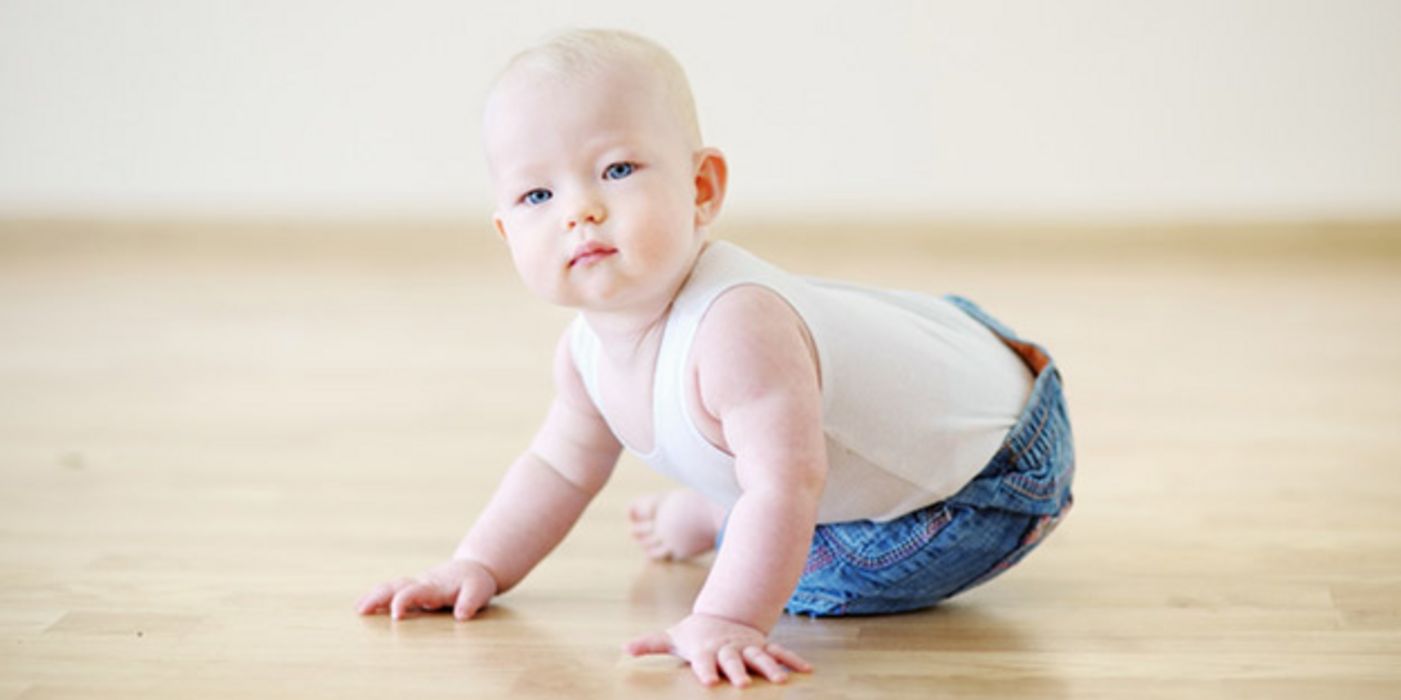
(550, 288)
(534, 277)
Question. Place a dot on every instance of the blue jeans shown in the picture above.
(916, 560)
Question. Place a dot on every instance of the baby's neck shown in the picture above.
(634, 333)
(628, 336)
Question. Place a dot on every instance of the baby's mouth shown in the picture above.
(590, 254)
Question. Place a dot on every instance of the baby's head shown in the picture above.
(591, 53)
(603, 188)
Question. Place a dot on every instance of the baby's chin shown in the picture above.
(612, 299)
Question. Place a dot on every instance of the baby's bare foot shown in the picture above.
(675, 524)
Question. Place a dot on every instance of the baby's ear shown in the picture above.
(711, 176)
(500, 226)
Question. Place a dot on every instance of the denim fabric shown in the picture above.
(916, 560)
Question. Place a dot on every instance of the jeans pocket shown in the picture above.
(851, 560)
(934, 555)
(1035, 534)
(873, 546)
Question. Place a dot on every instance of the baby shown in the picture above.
(849, 450)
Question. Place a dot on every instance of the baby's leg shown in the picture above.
(676, 524)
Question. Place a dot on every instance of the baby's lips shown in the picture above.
(589, 250)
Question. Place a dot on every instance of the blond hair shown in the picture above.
(579, 53)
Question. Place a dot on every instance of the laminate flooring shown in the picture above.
(209, 450)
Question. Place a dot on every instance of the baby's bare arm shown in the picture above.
(758, 376)
(762, 384)
(549, 485)
(538, 501)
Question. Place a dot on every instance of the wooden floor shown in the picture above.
(210, 449)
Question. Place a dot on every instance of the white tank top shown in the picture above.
(916, 395)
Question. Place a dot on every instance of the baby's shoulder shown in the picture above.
(743, 310)
(751, 332)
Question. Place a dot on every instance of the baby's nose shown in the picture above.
(589, 210)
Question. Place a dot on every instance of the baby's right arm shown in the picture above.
(537, 502)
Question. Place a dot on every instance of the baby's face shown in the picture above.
(595, 190)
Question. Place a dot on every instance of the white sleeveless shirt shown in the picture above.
(916, 395)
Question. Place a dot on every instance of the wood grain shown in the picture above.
(211, 444)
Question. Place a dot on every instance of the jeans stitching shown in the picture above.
(821, 558)
(1045, 416)
(906, 548)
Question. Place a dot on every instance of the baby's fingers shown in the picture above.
(418, 595)
(657, 643)
(788, 658)
(733, 665)
(376, 599)
(470, 599)
(703, 664)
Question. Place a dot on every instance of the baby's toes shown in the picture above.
(650, 544)
(644, 508)
(657, 550)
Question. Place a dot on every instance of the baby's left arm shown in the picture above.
(758, 376)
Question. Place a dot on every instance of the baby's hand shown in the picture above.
(460, 584)
(705, 641)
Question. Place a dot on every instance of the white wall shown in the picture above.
(1098, 108)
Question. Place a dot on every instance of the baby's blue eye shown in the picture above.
(537, 196)
(618, 171)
